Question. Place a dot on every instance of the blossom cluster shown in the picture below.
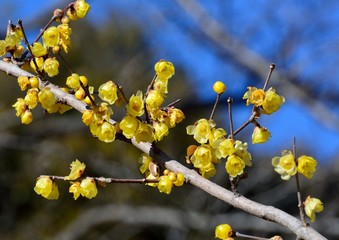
(42, 60)
(86, 187)
(214, 145)
(166, 181)
(158, 120)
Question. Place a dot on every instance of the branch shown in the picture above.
(259, 210)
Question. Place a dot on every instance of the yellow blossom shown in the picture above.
(23, 82)
(135, 106)
(254, 96)
(73, 81)
(65, 36)
(34, 82)
(51, 67)
(106, 132)
(46, 98)
(75, 189)
(87, 117)
(219, 87)
(224, 232)
(165, 185)
(160, 131)
(241, 151)
(180, 180)
(47, 188)
(306, 166)
(202, 156)
(208, 170)
(285, 165)
(312, 206)
(272, 101)
(20, 106)
(2, 47)
(144, 160)
(81, 7)
(260, 135)
(88, 188)
(201, 130)
(77, 169)
(27, 117)
(37, 62)
(51, 37)
(129, 125)
(234, 165)
(164, 69)
(108, 92)
(31, 98)
(144, 133)
(175, 116)
(224, 148)
(154, 99)
(38, 50)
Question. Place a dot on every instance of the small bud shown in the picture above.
(219, 87)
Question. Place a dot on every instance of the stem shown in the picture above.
(109, 180)
(215, 106)
(300, 203)
(272, 67)
(255, 113)
(237, 234)
(230, 101)
(120, 88)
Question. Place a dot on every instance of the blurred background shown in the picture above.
(230, 41)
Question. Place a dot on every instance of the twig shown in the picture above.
(215, 106)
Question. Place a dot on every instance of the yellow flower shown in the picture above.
(165, 185)
(254, 96)
(46, 98)
(312, 206)
(260, 135)
(219, 87)
(73, 81)
(47, 188)
(154, 99)
(306, 166)
(234, 165)
(87, 117)
(224, 231)
(208, 170)
(27, 117)
(180, 180)
(20, 106)
(285, 165)
(272, 101)
(31, 98)
(23, 82)
(201, 130)
(88, 188)
(175, 116)
(135, 106)
(144, 133)
(106, 132)
(2, 47)
(202, 156)
(144, 160)
(75, 189)
(160, 131)
(51, 67)
(241, 151)
(65, 36)
(217, 135)
(129, 125)
(164, 69)
(108, 92)
(34, 82)
(224, 148)
(39, 63)
(51, 37)
(81, 7)
(77, 169)
(38, 50)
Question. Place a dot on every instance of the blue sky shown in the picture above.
(273, 36)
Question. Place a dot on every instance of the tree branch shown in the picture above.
(259, 210)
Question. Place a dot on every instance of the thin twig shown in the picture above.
(272, 67)
(230, 117)
(250, 236)
(300, 203)
(215, 106)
